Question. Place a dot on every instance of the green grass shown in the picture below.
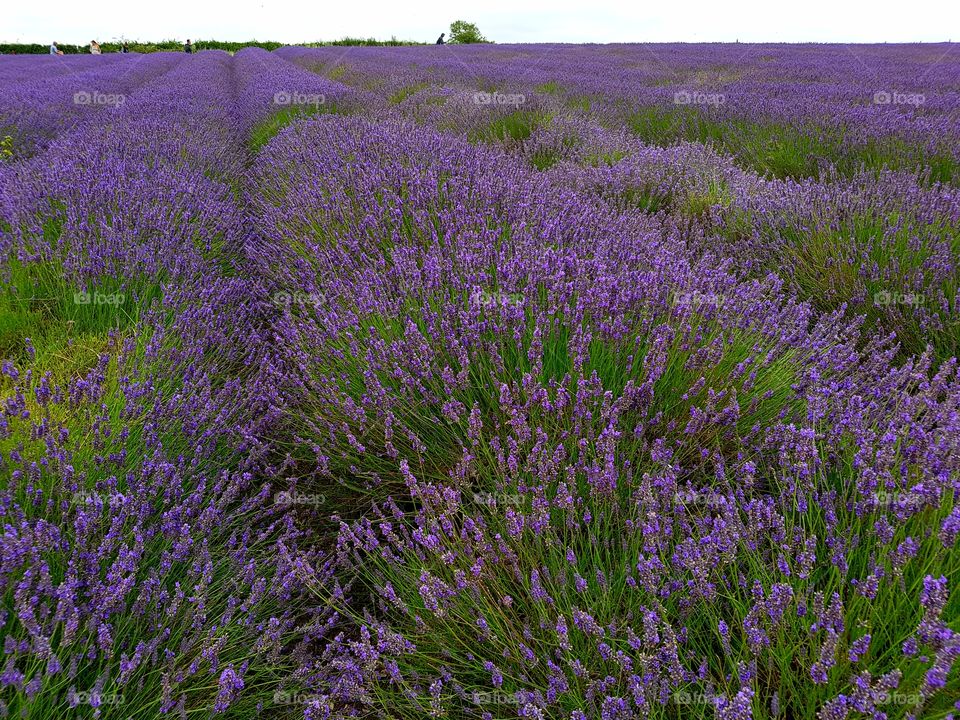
(864, 257)
(267, 129)
(62, 318)
(403, 93)
(551, 87)
(513, 128)
(787, 151)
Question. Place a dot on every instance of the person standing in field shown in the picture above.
(188, 48)
(54, 50)
(94, 47)
(440, 39)
(124, 49)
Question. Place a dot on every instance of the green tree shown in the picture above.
(463, 33)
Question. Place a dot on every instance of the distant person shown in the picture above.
(440, 39)
(124, 49)
(94, 47)
(54, 50)
(188, 48)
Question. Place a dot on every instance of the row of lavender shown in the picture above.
(830, 236)
(590, 461)
(768, 103)
(146, 566)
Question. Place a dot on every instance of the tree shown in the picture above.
(464, 33)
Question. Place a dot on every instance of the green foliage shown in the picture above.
(788, 151)
(465, 33)
(267, 129)
(512, 128)
(830, 266)
(403, 93)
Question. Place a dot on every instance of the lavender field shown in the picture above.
(495, 381)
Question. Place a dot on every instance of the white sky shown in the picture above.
(74, 21)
